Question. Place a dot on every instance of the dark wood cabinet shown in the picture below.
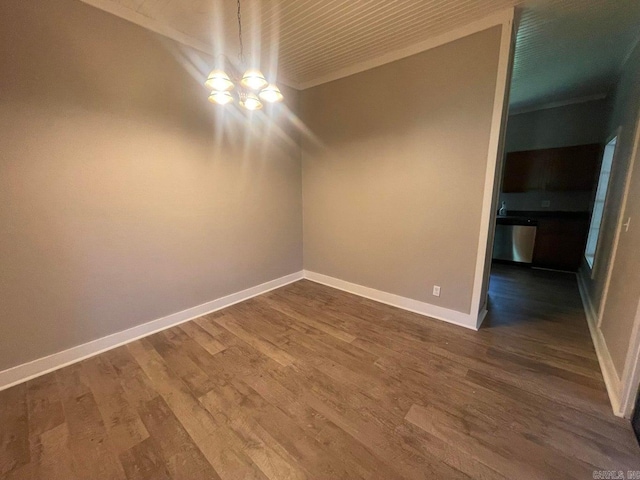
(560, 243)
(552, 169)
(524, 171)
(573, 168)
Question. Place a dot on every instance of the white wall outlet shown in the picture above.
(546, 203)
(436, 290)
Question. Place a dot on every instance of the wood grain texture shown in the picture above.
(307, 382)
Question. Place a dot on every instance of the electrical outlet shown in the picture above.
(436, 290)
(546, 203)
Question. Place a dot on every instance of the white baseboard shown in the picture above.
(481, 316)
(41, 366)
(451, 316)
(611, 378)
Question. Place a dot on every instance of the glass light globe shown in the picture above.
(221, 98)
(271, 94)
(251, 102)
(253, 79)
(219, 80)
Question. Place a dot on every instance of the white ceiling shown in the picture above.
(566, 49)
(571, 49)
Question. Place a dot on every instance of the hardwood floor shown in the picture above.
(311, 382)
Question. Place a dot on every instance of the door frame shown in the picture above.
(598, 262)
(630, 381)
(630, 378)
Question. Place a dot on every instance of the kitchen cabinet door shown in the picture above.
(572, 168)
(524, 171)
(560, 243)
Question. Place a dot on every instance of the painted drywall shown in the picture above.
(393, 185)
(568, 125)
(124, 195)
(565, 126)
(623, 294)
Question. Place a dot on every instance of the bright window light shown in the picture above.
(599, 203)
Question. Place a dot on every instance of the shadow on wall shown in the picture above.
(128, 202)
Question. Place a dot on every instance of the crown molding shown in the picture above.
(500, 18)
(150, 24)
(559, 103)
(160, 28)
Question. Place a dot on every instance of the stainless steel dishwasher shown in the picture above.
(515, 239)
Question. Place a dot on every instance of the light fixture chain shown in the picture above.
(241, 55)
(252, 87)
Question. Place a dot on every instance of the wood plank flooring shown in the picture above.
(308, 382)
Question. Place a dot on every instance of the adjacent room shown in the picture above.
(278, 239)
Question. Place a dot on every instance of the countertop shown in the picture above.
(517, 214)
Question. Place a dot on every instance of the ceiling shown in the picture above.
(566, 49)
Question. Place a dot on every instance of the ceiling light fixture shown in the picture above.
(248, 89)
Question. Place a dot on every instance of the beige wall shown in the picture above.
(393, 194)
(624, 291)
(121, 198)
